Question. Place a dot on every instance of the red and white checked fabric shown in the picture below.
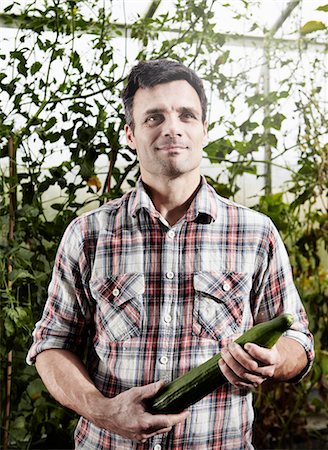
(147, 301)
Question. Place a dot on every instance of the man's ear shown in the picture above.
(129, 137)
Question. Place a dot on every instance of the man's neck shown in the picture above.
(172, 197)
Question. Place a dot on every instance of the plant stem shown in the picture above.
(12, 206)
(8, 402)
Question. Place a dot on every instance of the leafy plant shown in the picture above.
(62, 153)
(303, 224)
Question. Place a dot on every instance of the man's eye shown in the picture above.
(152, 120)
(188, 115)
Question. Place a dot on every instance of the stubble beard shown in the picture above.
(173, 168)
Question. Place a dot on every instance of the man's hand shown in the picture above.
(69, 382)
(127, 416)
(250, 366)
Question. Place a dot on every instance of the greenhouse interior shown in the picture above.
(64, 153)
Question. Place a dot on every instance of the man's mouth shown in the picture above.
(171, 147)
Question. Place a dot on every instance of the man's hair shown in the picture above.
(147, 74)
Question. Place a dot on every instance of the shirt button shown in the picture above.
(116, 292)
(168, 318)
(163, 360)
(171, 234)
(157, 447)
(170, 275)
(226, 287)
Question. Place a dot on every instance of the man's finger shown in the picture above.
(266, 356)
(149, 390)
(233, 378)
(169, 420)
(239, 375)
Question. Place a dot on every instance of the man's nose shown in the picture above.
(172, 126)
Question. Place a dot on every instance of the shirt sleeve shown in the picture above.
(275, 293)
(63, 324)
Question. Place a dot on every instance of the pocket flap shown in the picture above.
(222, 285)
(120, 288)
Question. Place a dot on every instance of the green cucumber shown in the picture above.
(200, 381)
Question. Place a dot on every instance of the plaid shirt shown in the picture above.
(149, 301)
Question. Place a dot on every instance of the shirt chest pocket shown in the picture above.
(219, 303)
(119, 305)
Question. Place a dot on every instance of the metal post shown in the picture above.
(267, 111)
(266, 88)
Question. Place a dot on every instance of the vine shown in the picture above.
(61, 132)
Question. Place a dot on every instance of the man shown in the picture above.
(157, 282)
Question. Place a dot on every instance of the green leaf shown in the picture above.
(21, 316)
(53, 137)
(8, 8)
(323, 8)
(302, 198)
(85, 134)
(250, 169)
(57, 206)
(218, 150)
(80, 108)
(223, 58)
(58, 53)
(17, 100)
(10, 87)
(322, 358)
(35, 389)
(76, 63)
(272, 139)
(35, 67)
(15, 317)
(25, 254)
(51, 122)
(248, 126)
(284, 94)
(18, 274)
(21, 67)
(222, 189)
(311, 26)
(317, 403)
(273, 206)
(68, 135)
(9, 327)
(274, 121)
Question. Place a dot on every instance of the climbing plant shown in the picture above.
(62, 152)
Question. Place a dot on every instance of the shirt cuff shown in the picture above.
(307, 344)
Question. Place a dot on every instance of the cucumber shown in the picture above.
(200, 381)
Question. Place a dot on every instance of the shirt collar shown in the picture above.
(204, 206)
(141, 200)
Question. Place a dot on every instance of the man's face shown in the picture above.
(168, 133)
